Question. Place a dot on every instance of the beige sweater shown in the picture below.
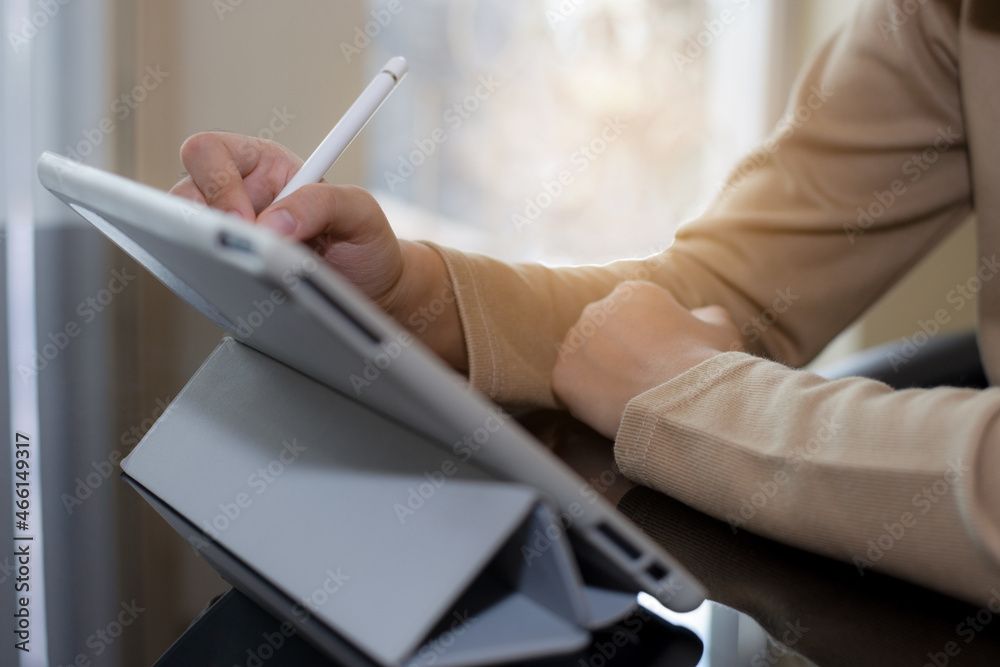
(900, 140)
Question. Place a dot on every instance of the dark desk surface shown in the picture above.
(769, 604)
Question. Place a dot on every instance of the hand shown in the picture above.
(342, 223)
(635, 339)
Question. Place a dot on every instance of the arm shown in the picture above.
(783, 250)
(898, 482)
(785, 237)
(901, 482)
(788, 226)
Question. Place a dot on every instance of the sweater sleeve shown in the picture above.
(900, 482)
(867, 172)
(863, 176)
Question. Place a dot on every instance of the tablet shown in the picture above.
(277, 297)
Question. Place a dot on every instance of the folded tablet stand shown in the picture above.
(376, 543)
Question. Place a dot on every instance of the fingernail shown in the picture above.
(242, 214)
(280, 221)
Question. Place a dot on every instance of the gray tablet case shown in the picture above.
(401, 520)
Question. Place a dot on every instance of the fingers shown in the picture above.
(187, 189)
(335, 212)
(217, 170)
(636, 304)
(654, 296)
(236, 173)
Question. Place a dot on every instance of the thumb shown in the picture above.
(342, 212)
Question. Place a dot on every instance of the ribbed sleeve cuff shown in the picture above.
(644, 449)
(484, 372)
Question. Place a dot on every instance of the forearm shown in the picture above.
(428, 306)
(515, 316)
(781, 248)
(891, 481)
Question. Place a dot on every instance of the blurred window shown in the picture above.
(564, 131)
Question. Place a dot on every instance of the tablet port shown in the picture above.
(619, 541)
(656, 572)
(227, 240)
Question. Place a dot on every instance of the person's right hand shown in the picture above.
(342, 223)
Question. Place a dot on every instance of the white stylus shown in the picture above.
(348, 127)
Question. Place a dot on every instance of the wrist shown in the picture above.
(424, 303)
(693, 357)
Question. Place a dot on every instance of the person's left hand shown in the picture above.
(636, 338)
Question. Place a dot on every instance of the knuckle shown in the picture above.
(647, 289)
(326, 200)
(627, 285)
(197, 144)
(188, 190)
(314, 203)
(359, 194)
(182, 188)
(632, 289)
